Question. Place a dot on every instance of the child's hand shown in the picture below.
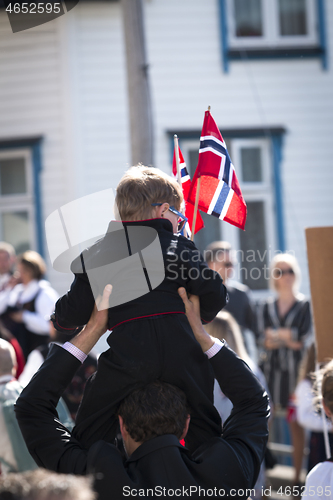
(97, 324)
(192, 308)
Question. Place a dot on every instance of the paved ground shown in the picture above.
(280, 481)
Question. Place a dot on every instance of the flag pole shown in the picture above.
(196, 202)
(323, 416)
(179, 177)
(195, 208)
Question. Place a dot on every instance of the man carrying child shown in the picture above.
(151, 337)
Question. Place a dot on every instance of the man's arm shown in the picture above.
(246, 430)
(48, 441)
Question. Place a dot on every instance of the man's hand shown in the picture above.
(97, 324)
(192, 308)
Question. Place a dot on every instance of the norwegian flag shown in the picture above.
(220, 194)
(186, 183)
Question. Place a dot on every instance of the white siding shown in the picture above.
(67, 81)
(31, 104)
(99, 81)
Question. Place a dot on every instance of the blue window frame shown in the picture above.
(273, 42)
(20, 201)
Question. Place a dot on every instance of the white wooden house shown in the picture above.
(264, 67)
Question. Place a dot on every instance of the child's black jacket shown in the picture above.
(184, 266)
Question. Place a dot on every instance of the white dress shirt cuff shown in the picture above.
(75, 351)
(216, 347)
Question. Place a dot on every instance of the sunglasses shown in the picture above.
(282, 272)
(181, 217)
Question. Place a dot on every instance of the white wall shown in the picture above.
(66, 80)
(99, 84)
(32, 102)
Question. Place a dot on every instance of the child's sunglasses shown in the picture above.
(181, 220)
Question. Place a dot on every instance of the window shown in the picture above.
(272, 23)
(254, 246)
(261, 29)
(17, 217)
(254, 164)
(248, 18)
(293, 18)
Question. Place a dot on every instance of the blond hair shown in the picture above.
(140, 187)
(284, 258)
(34, 262)
(7, 358)
(224, 326)
(8, 248)
(327, 385)
(308, 364)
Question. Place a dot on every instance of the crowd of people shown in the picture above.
(192, 361)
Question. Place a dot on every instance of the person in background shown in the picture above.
(224, 326)
(219, 257)
(45, 485)
(8, 280)
(319, 481)
(14, 455)
(284, 322)
(9, 390)
(7, 260)
(306, 412)
(29, 305)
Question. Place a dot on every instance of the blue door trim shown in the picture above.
(322, 32)
(224, 35)
(34, 144)
(277, 144)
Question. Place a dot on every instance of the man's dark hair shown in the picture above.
(154, 410)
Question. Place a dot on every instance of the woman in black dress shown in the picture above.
(285, 327)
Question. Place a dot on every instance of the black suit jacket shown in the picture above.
(229, 462)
